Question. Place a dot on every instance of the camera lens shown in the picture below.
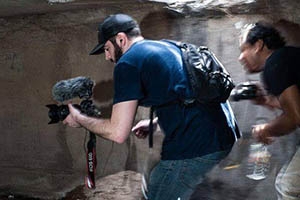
(57, 113)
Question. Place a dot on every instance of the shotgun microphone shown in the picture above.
(81, 87)
(64, 90)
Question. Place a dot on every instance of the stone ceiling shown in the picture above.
(288, 9)
(27, 7)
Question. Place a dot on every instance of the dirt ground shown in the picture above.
(123, 185)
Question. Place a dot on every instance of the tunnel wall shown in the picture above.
(42, 160)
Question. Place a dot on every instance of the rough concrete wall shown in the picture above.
(37, 51)
(44, 160)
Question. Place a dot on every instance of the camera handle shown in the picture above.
(91, 162)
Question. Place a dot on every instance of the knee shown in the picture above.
(287, 185)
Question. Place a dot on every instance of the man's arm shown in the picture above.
(265, 99)
(117, 128)
(289, 119)
(290, 105)
(141, 129)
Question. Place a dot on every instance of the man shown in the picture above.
(263, 49)
(150, 73)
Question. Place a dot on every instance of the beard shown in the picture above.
(118, 51)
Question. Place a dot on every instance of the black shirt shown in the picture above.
(282, 70)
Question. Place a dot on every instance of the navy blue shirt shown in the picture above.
(152, 72)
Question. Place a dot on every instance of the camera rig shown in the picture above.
(58, 113)
(67, 89)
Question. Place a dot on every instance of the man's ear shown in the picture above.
(121, 39)
(259, 45)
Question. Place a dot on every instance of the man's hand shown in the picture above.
(141, 129)
(265, 99)
(260, 133)
(71, 118)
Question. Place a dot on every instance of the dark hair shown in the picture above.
(131, 33)
(267, 33)
(135, 32)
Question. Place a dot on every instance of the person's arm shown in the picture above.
(117, 128)
(272, 102)
(290, 118)
(265, 99)
(288, 121)
(141, 129)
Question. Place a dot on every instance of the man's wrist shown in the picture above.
(267, 131)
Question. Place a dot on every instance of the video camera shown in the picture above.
(59, 113)
(64, 90)
(81, 87)
(244, 91)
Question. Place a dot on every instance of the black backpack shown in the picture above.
(209, 80)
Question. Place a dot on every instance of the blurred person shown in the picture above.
(263, 50)
(150, 73)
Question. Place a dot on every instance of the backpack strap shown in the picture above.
(150, 136)
(185, 103)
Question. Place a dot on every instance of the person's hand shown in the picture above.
(260, 95)
(71, 118)
(265, 99)
(141, 129)
(260, 134)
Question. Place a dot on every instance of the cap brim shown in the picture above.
(97, 50)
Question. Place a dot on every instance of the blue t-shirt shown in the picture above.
(152, 72)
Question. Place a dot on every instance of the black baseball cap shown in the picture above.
(111, 26)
